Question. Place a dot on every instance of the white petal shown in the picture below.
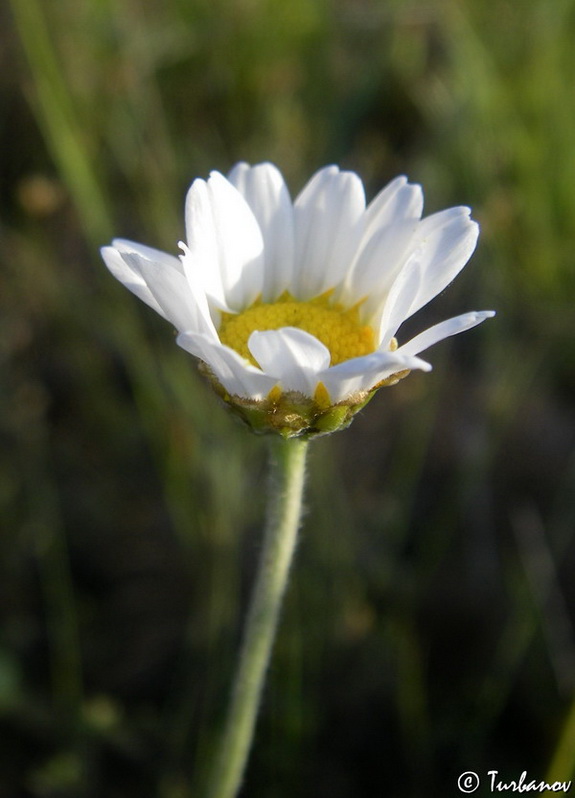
(292, 356)
(265, 191)
(447, 240)
(193, 271)
(202, 253)
(328, 215)
(443, 330)
(398, 302)
(173, 293)
(128, 274)
(149, 253)
(391, 220)
(240, 243)
(398, 200)
(363, 373)
(222, 229)
(158, 279)
(237, 376)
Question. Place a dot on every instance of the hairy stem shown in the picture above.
(284, 514)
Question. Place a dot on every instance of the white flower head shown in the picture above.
(293, 308)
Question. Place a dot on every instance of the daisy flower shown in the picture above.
(293, 308)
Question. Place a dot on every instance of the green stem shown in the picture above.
(284, 514)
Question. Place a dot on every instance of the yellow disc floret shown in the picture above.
(339, 329)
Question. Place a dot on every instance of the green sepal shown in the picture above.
(292, 414)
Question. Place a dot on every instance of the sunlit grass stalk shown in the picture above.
(59, 118)
(284, 514)
(562, 765)
(71, 142)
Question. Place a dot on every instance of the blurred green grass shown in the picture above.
(428, 630)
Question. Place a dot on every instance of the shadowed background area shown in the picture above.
(428, 628)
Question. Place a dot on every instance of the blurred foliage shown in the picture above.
(429, 626)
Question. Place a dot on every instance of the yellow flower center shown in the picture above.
(339, 329)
